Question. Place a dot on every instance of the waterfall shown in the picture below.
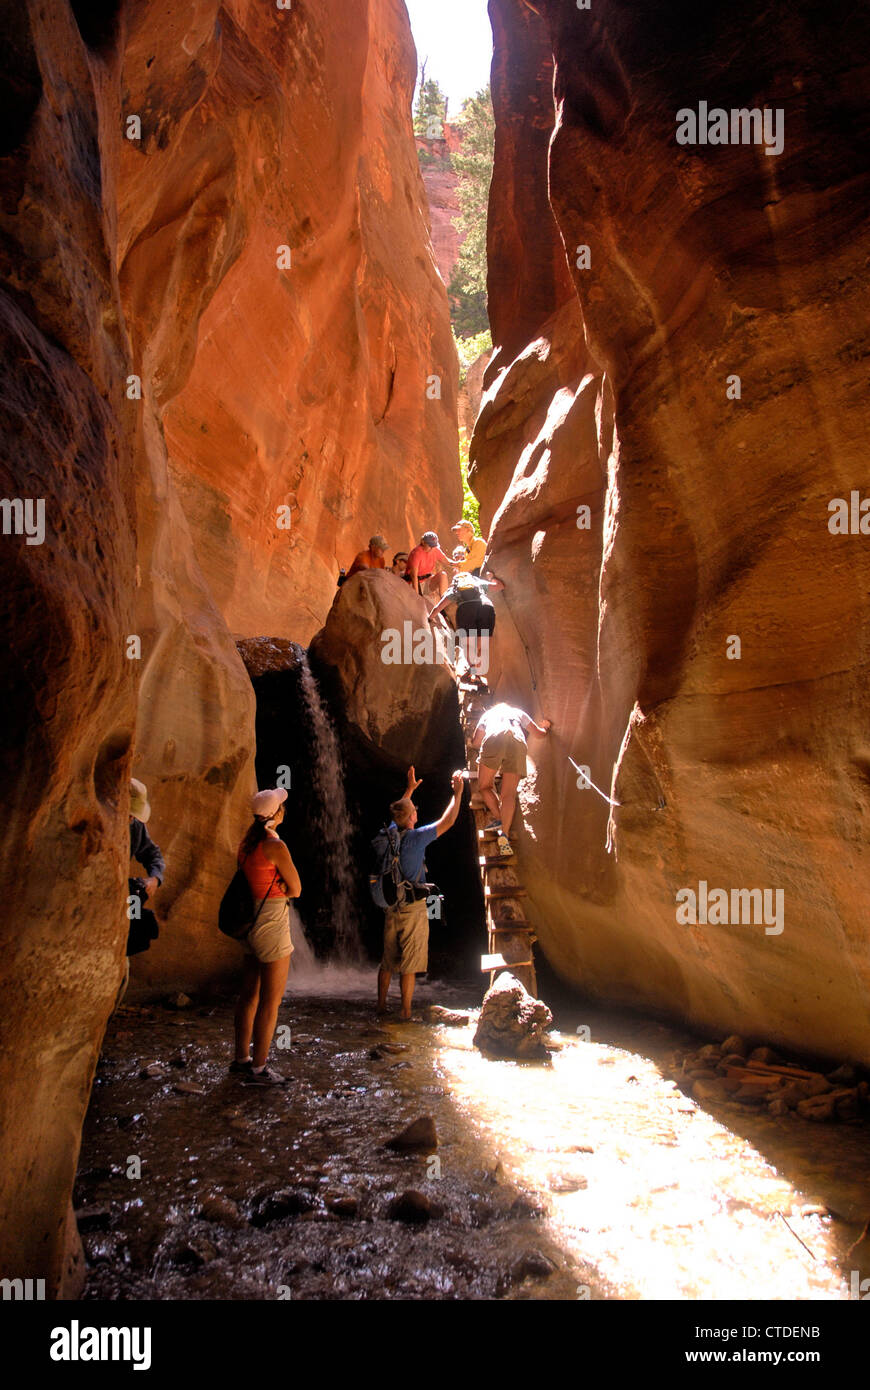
(329, 817)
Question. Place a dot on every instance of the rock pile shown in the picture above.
(512, 1023)
(730, 1073)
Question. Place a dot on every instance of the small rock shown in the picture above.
(843, 1076)
(567, 1182)
(734, 1044)
(223, 1211)
(847, 1106)
(702, 1074)
(188, 1088)
(810, 1086)
(280, 1204)
(192, 1253)
(790, 1094)
(765, 1055)
(709, 1051)
(343, 1206)
(413, 1207)
(154, 1071)
(179, 1001)
(450, 1018)
(707, 1090)
(778, 1106)
(93, 1218)
(419, 1135)
(751, 1095)
(394, 1047)
(819, 1108)
(732, 1059)
(532, 1265)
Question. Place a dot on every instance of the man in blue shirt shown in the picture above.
(406, 926)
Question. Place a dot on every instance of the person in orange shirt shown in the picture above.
(371, 559)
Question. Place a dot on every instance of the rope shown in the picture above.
(590, 783)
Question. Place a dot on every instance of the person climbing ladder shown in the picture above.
(500, 736)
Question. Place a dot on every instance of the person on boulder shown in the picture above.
(371, 559)
(272, 877)
(406, 925)
(423, 569)
(501, 737)
(474, 619)
(473, 545)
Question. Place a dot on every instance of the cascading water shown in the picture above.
(330, 819)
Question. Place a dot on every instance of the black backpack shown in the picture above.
(389, 887)
(236, 915)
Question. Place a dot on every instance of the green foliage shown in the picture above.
(469, 349)
(470, 504)
(431, 108)
(473, 164)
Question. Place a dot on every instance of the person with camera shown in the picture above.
(406, 924)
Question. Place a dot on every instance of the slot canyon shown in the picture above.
(227, 362)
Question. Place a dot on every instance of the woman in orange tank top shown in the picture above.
(266, 863)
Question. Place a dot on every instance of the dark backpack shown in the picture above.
(389, 887)
(236, 915)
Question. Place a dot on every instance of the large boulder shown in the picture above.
(396, 690)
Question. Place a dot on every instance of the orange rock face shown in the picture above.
(176, 386)
(440, 181)
(696, 635)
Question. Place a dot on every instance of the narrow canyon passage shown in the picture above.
(322, 324)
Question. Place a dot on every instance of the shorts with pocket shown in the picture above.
(406, 939)
(270, 938)
(504, 752)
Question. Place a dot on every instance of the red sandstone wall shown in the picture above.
(708, 516)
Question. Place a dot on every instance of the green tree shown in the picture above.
(473, 165)
(430, 112)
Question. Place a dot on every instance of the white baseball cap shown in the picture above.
(267, 804)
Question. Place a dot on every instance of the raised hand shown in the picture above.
(413, 781)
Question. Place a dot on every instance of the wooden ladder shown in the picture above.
(510, 936)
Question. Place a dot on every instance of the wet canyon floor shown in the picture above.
(592, 1177)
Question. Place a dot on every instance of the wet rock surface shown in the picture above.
(512, 1023)
(594, 1174)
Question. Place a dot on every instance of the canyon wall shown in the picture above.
(172, 394)
(740, 763)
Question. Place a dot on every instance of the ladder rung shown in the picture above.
(492, 891)
(509, 931)
(504, 964)
(494, 861)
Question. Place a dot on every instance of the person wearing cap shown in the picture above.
(422, 570)
(143, 924)
(400, 563)
(272, 877)
(473, 545)
(371, 559)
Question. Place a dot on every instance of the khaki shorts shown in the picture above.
(406, 939)
(504, 752)
(270, 938)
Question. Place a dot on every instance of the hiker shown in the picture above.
(400, 563)
(143, 927)
(272, 878)
(475, 616)
(370, 559)
(501, 738)
(422, 570)
(406, 925)
(473, 545)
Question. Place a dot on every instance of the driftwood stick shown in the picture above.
(795, 1234)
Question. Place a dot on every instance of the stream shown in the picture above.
(591, 1178)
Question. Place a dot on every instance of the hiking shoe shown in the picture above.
(494, 825)
(241, 1068)
(504, 847)
(266, 1077)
